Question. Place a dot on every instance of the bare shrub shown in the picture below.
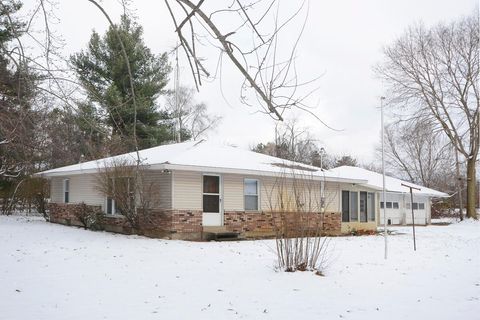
(298, 203)
(91, 217)
(130, 190)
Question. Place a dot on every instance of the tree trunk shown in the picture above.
(471, 189)
(459, 186)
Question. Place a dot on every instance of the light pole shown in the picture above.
(383, 174)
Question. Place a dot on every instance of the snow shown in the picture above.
(375, 181)
(50, 271)
(204, 156)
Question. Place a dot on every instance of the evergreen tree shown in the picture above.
(103, 72)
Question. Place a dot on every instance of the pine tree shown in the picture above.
(102, 71)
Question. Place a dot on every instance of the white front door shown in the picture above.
(212, 201)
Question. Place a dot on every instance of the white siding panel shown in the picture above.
(233, 192)
(277, 190)
(83, 188)
(332, 197)
(56, 190)
(187, 190)
(159, 185)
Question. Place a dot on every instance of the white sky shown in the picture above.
(342, 41)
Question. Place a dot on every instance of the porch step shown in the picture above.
(227, 236)
(220, 234)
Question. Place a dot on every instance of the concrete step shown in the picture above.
(220, 234)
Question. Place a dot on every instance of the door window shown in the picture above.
(211, 193)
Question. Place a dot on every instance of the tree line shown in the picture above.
(38, 131)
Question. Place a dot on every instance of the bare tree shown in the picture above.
(418, 153)
(269, 72)
(292, 142)
(192, 118)
(433, 74)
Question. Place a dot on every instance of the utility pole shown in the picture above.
(385, 232)
(178, 127)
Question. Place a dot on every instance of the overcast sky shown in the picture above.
(342, 41)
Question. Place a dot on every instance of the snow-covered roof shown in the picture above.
(206, 157)
(375, 181)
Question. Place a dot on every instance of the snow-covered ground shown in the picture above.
(49, 271)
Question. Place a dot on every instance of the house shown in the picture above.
(200, 187)
(398, 203)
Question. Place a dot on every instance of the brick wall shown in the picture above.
(268, 223)
(158, 223)
(65, 213)
(187, 224)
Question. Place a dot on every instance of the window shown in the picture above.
(250, 191)
(345, 206)
(390, 205)
(416, 205)
(354, 205)
(66, 190)
(371, 206)
(363, 206)
(110, 205)
(120, 197)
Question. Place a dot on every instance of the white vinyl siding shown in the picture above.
(160, 184)
(56, 190)
(187, 190)
(83, 188)
(233, 192)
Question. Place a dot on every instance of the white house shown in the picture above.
(398, 202)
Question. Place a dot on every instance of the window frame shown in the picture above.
(66, 190)
(357, 205)
(373, 200)
(251, 195)
(114, 211)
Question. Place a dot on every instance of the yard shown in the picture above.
(50, 271)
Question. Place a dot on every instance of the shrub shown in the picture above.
(90, 217)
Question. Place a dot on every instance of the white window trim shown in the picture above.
(258, 195)
(65, 189)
